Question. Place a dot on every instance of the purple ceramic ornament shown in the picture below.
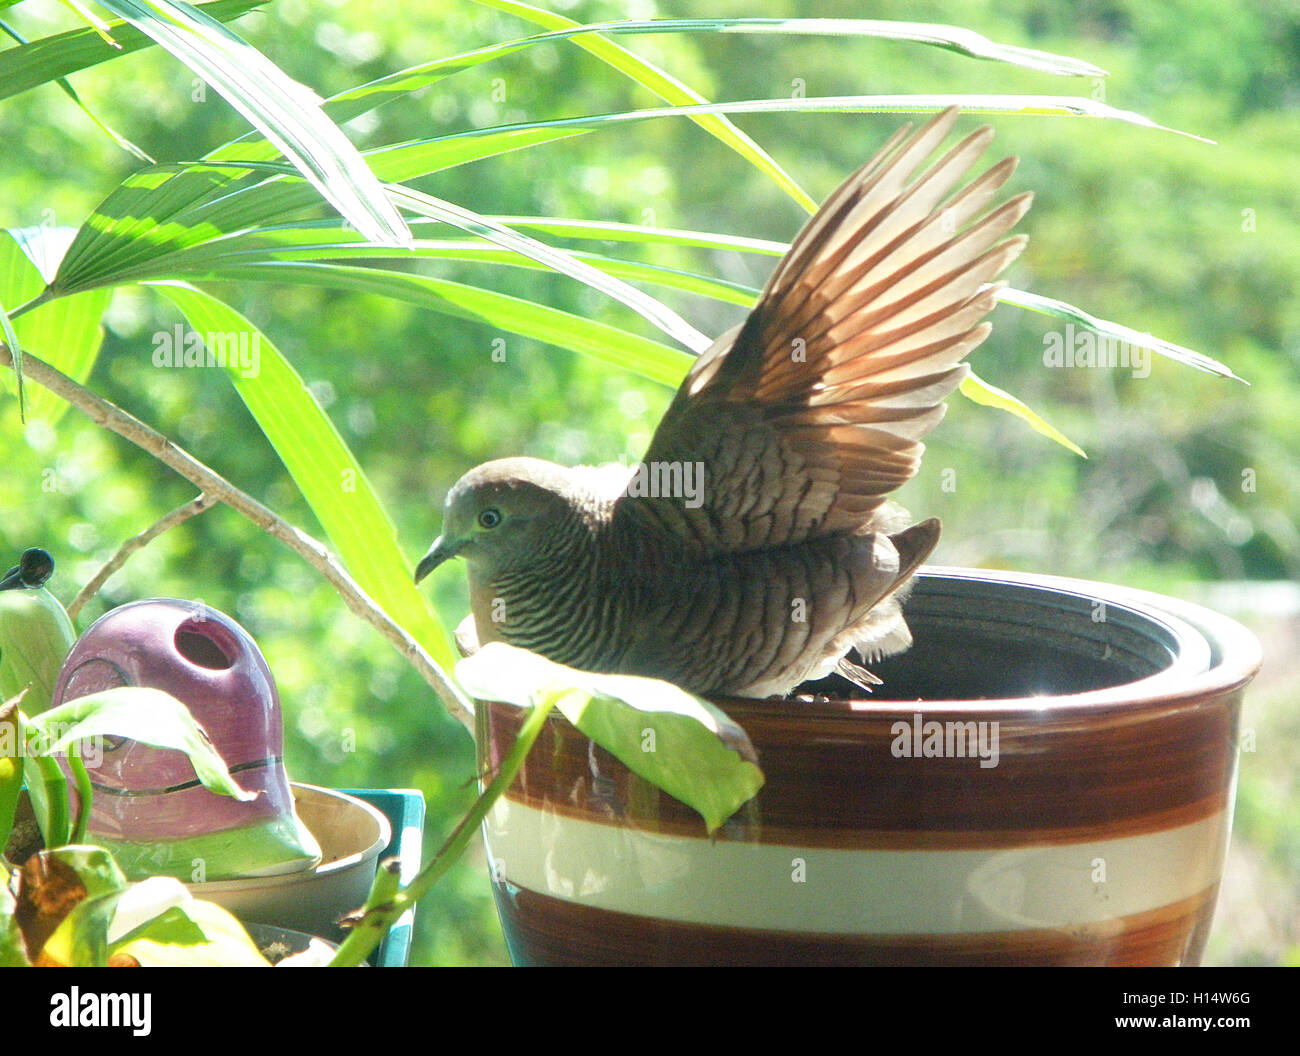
(150, 798)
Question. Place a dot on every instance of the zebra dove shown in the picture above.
(754, 548)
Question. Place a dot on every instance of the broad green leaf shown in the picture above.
(94, 866)
(81, 938)
(190, 934)
(156, 921)
(321, 465)
(36, 636)
(11, 776)
(149, 716)
(1127, 335)
(677, 741)
(981, 392)
(620, 348)
(286, 112)
(66, 332)
(13, 950)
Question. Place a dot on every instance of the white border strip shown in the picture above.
(815, 889)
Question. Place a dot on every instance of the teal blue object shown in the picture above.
(404, 809)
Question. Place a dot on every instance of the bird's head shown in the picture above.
(501, 514)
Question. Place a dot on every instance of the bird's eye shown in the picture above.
(489, 518)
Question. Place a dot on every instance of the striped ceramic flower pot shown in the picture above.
(1046, 777)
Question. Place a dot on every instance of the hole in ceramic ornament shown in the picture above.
(200, 649)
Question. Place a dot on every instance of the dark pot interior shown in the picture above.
(976, 639)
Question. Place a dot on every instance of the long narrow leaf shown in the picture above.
(667, 87)
(71, 93)
(320, 463)
(149, 716)
(660, 315)
(619, 348)
(53, 57)
(137, 231)
(951, 38)
(66, 333)
(16, 351)
(1049, 306)
(363, 98)
(286, 112)
(170, 208)
(256, 248)
(980, 391)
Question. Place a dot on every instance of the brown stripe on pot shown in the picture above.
(1052, 752)
(550, 931)
(1172, 767)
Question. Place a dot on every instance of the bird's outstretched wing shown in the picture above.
(805, 417)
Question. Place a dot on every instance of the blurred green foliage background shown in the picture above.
(1192, 485)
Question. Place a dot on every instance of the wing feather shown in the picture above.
(809, 414)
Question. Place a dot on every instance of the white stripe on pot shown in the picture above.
(628, 870)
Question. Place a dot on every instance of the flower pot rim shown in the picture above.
(324, 869)
(1235, 655)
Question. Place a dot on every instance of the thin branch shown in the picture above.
(178, 516)
(111, 417)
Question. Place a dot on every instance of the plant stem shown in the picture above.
(178, 516)
(377, 919)
(55, 829)
(113, 418)
(85, 794)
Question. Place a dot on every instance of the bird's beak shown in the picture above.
(439, 552)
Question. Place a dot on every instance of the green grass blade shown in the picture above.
(139, 230)
(283, 110)
(980, 391)
(1118, 331)
(53, 57)
(322, 466)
